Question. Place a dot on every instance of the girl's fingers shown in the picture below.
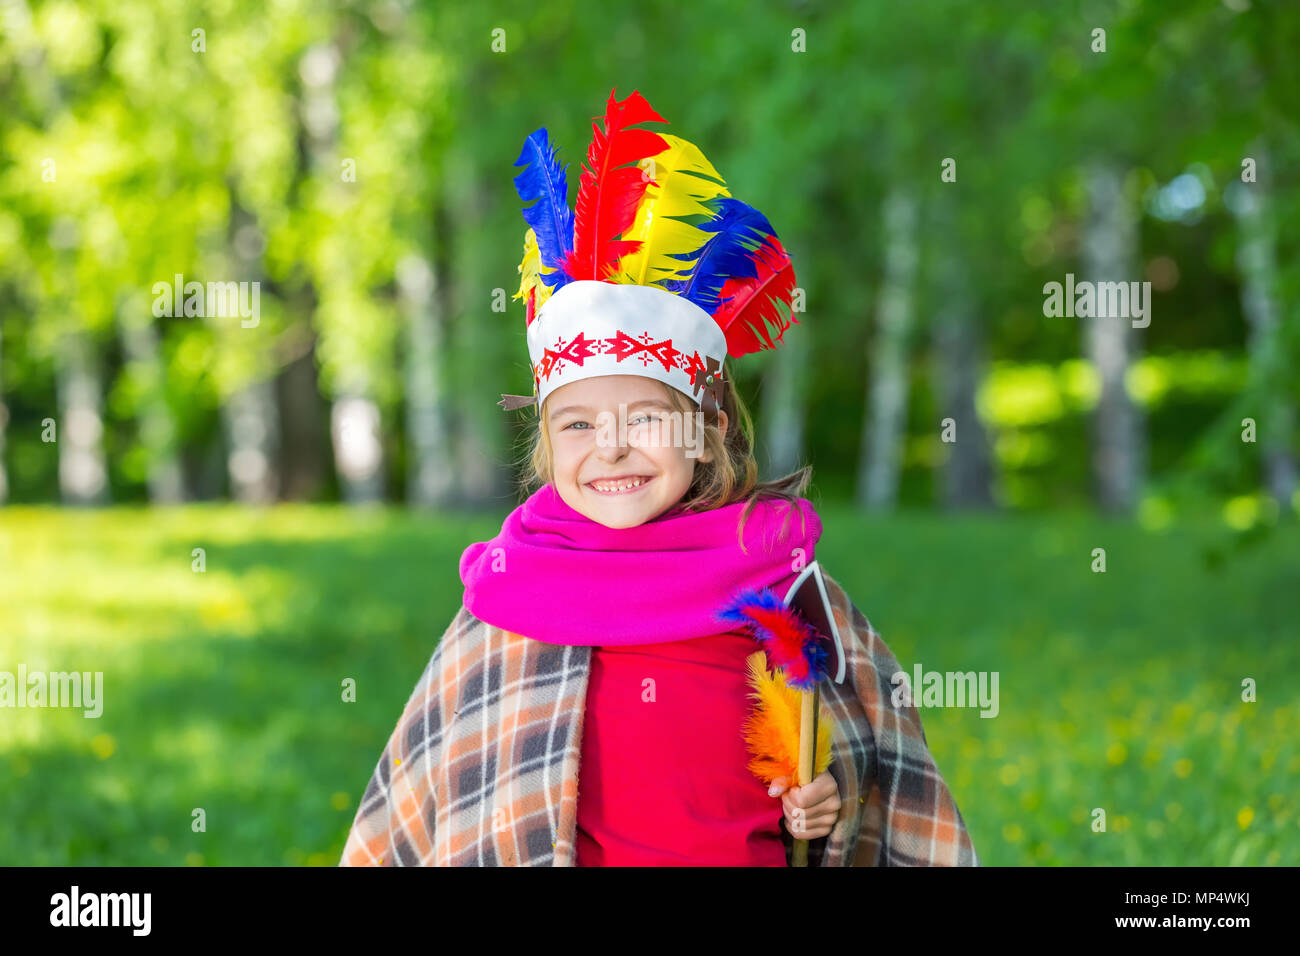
(823, 787)
(809, 831)
(831, 804)
(797, 817)
(810, 823)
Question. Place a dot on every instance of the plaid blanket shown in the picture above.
(482, 768)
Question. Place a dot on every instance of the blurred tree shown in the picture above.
(958, 341)
(1257, 260)
(882, 441)
(1110, 255)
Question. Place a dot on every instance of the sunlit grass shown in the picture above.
(1119, 692)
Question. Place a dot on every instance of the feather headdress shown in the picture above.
(658, 271)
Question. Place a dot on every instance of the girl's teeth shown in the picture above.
(622, 486)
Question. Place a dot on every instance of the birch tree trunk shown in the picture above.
(4, 424)
(1110, 255)
(886, 415)
(157, 427)
(1257, 264)
(355, 420)
(251, 413)
(784, 401)
(430, 481)
(486, 354)
(958, 342)
(82, 475)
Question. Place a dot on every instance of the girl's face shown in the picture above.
(620, 473)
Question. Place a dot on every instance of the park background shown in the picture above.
(333, 461)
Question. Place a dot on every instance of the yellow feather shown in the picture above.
(529, 268)
(772, 729)
(680, 192)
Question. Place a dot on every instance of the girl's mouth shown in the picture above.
(625, 486)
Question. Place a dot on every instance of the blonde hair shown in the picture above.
(729, 476)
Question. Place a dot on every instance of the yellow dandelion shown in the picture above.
(103, 745)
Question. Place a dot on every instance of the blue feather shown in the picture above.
(550, 217)
(737, 610)
(738, 229)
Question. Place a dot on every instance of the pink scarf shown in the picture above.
(556, 576)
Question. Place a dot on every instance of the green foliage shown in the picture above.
(163, 149)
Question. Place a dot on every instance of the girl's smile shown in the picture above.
(625, 485)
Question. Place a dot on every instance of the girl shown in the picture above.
(585, 705)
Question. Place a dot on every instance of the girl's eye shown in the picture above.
(634, 420)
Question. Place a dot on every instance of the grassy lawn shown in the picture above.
(223, 689)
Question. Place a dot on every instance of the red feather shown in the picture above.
(746, 307)
(788, 641)
(611, 190)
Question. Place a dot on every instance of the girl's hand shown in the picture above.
(810, 810)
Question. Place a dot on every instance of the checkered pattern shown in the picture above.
(482, 768)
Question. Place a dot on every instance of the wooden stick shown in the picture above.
(807, 750)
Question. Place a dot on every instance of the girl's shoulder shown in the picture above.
(472, 655)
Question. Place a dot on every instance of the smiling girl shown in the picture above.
(586, 706)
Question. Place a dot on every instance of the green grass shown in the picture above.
(223, 689)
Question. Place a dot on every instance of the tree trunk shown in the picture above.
(251, 413)
(1110, 255)
(958, 342)
(783, 405)
(82, 475)
(4, 424)
(157, 426)
(489, 362)
(355, 420)
(430, 481)
(1257, 264)
(358, 454)
(302, 447)
(886, 417)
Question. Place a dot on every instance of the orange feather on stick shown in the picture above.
(772, 728)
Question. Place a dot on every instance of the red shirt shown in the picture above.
(663, 778)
